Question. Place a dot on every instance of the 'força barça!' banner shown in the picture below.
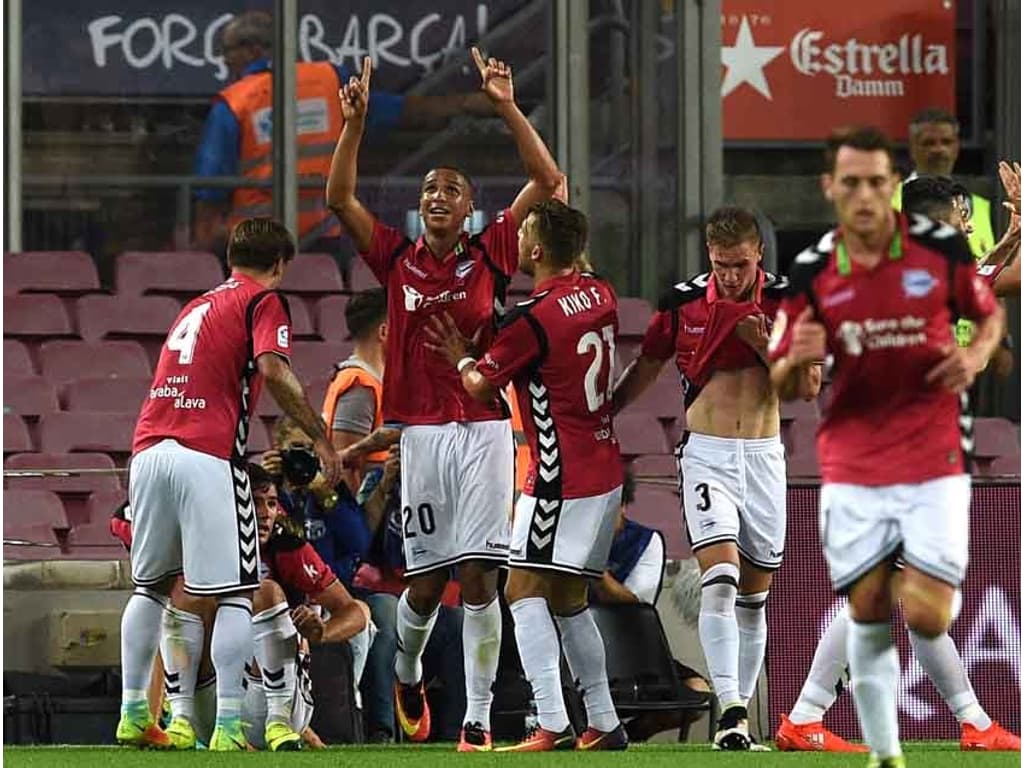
(796, 69)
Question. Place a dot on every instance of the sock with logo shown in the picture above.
(820, 688)
(539, 651)
(276, 642)
(181, 645)
(413, 633)
(230, 648)
(942, 663)
(718, 631)
(874, 678)
(140, 637)
(584, 652)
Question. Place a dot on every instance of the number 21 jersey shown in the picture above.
(558, 348)
(206, 385)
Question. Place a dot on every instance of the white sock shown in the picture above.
(181, 645)
(874, 677)
(413, 632)
(230, 648)
(819, 691)
(584, 650)
(719, 633)
(206, 708)
(539, 651)
(481, 643)
(140, 636)
(941, 661)
(276, 642)
(360, 646)
(752, 626)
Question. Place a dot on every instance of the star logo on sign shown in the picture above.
(745, 62)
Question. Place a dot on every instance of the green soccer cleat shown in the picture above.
(887, 762)
(182, 734)
(141, 732)
(229, 738)
(281, 737)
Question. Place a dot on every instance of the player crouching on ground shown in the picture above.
(278, 705)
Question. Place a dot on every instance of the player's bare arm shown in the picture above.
(1007, 282)
(341, 183)
(380, 439)
(959, 365)
(792, 376)
(640, 374)
(348, 616)
(287, 392)
(446, 340)
(541, 168)
(377, 502)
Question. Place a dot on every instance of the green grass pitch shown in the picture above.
(919, 755)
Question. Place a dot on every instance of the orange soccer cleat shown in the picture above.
(995, 738)
(473, 738)
(539, 739)
(595, 740)
(811, 737)
(413, 711)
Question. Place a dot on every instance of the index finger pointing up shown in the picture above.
(478, 59)
(365, 77)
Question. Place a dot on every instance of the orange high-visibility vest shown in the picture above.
(318, 125)
(353, 373)
(522, 448)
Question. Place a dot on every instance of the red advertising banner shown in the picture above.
(796, 69)
(987, 632)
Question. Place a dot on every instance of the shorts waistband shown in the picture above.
(732, 444)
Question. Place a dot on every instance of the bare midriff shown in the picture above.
(736, 404)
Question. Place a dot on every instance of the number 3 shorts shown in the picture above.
(734, 489)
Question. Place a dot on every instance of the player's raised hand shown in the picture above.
(753, 330)
(956, 370)
(1010, 176)
(809, 339)
(272, 463)
(355, 95)
(445, 338)
(496, 77)
(308, 623)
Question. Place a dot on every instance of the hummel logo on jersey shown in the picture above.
(310, 570)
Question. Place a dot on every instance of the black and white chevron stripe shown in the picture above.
(242, 428)
(547, 486)
(172, 682)
(245, 511)
(273, 679)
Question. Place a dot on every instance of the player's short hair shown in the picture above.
(933, 116)
(254, 28)
(452, 167)
(731, 225)
(628, 488)
(365, 312)
(282, 427)
(259, 478)
(931, 196)
(259, 243)
(561, 230)
(866, 138)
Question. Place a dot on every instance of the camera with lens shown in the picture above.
(299, 465)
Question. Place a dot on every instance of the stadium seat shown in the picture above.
(314, 274)
(640, 433)
(800, 436)
(330, 318)
(76, 432)
(126, 316)
(33, 507)
(634, 315)
(69, 273)
(17, 361)
(16, 435)
(29, 396)
(94, 541)
(106, 395)
(37, 541)
(1005, 465)
(362, 278)
(268, 409)
(664, 398)
(81, 484)
(315, 359)
(803, 462)
(995, 437)
(182, 274)
(259, 439)
(803, 410)
(63, 361)
(657, 506)
(36, 315)
(660, 465)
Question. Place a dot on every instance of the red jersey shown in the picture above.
(206, 384)
(295, 566)
(469, 283)
(685, 315)
(558, 348)
(886, 328)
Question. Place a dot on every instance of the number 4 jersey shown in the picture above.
(206, 385)
(558, 348)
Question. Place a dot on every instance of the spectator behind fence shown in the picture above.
(352, 403)
(238, 136)
(636, 564)
(379, 582)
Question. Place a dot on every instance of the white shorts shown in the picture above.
(863, 525)
(569, 535)
(192, 513)
(457, 482)
(734, 489)
(254, 704)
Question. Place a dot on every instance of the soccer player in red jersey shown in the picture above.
(192, 510)
(880, 294)
(558, 348)
(457, 452)
(731, 461)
